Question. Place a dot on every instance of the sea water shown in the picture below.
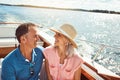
(99, 29)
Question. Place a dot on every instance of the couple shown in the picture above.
(61, 61)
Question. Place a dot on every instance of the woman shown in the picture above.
(62, 62)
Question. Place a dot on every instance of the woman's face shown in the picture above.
(60, 40)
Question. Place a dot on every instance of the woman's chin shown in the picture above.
(56, 45)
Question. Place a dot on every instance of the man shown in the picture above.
(24, 63)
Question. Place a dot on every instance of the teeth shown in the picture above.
(56, 40)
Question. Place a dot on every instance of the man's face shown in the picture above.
(32, 37)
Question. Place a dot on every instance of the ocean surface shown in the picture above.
(100, 30)
(82, 4)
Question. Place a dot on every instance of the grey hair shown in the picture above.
(70, 50)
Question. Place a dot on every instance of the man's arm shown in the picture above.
(7, 71)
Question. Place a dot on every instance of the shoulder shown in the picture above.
(77, 57)
(11, 54)
(39, 49)
(10, 57)
(74, 62)
(49, 48)
(49, 51)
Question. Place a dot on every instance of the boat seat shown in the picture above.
(0, 67)
(0, 73)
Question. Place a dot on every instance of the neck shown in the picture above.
(61, 54)
(26, 52)
(61, 51)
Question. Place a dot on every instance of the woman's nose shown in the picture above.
(55, 35)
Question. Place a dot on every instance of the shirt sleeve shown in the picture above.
(8, 72)
(41, 50)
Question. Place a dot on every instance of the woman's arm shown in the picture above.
(77, 75)
(47, 70)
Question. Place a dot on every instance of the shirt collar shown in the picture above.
(22, 58)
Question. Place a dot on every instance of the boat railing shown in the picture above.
(96, 57)
(102, 47)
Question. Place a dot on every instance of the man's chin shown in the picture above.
(35, 46)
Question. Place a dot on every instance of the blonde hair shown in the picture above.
(70, 50)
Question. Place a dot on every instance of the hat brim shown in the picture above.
(71, 40)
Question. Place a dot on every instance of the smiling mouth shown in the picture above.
(40, 43)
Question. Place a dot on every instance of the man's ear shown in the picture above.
(23, 39)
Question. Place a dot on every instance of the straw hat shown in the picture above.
(68, 31)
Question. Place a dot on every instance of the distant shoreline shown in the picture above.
(71, 9)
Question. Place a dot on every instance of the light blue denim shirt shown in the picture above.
(16, 67)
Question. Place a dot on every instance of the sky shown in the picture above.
(83, 4)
